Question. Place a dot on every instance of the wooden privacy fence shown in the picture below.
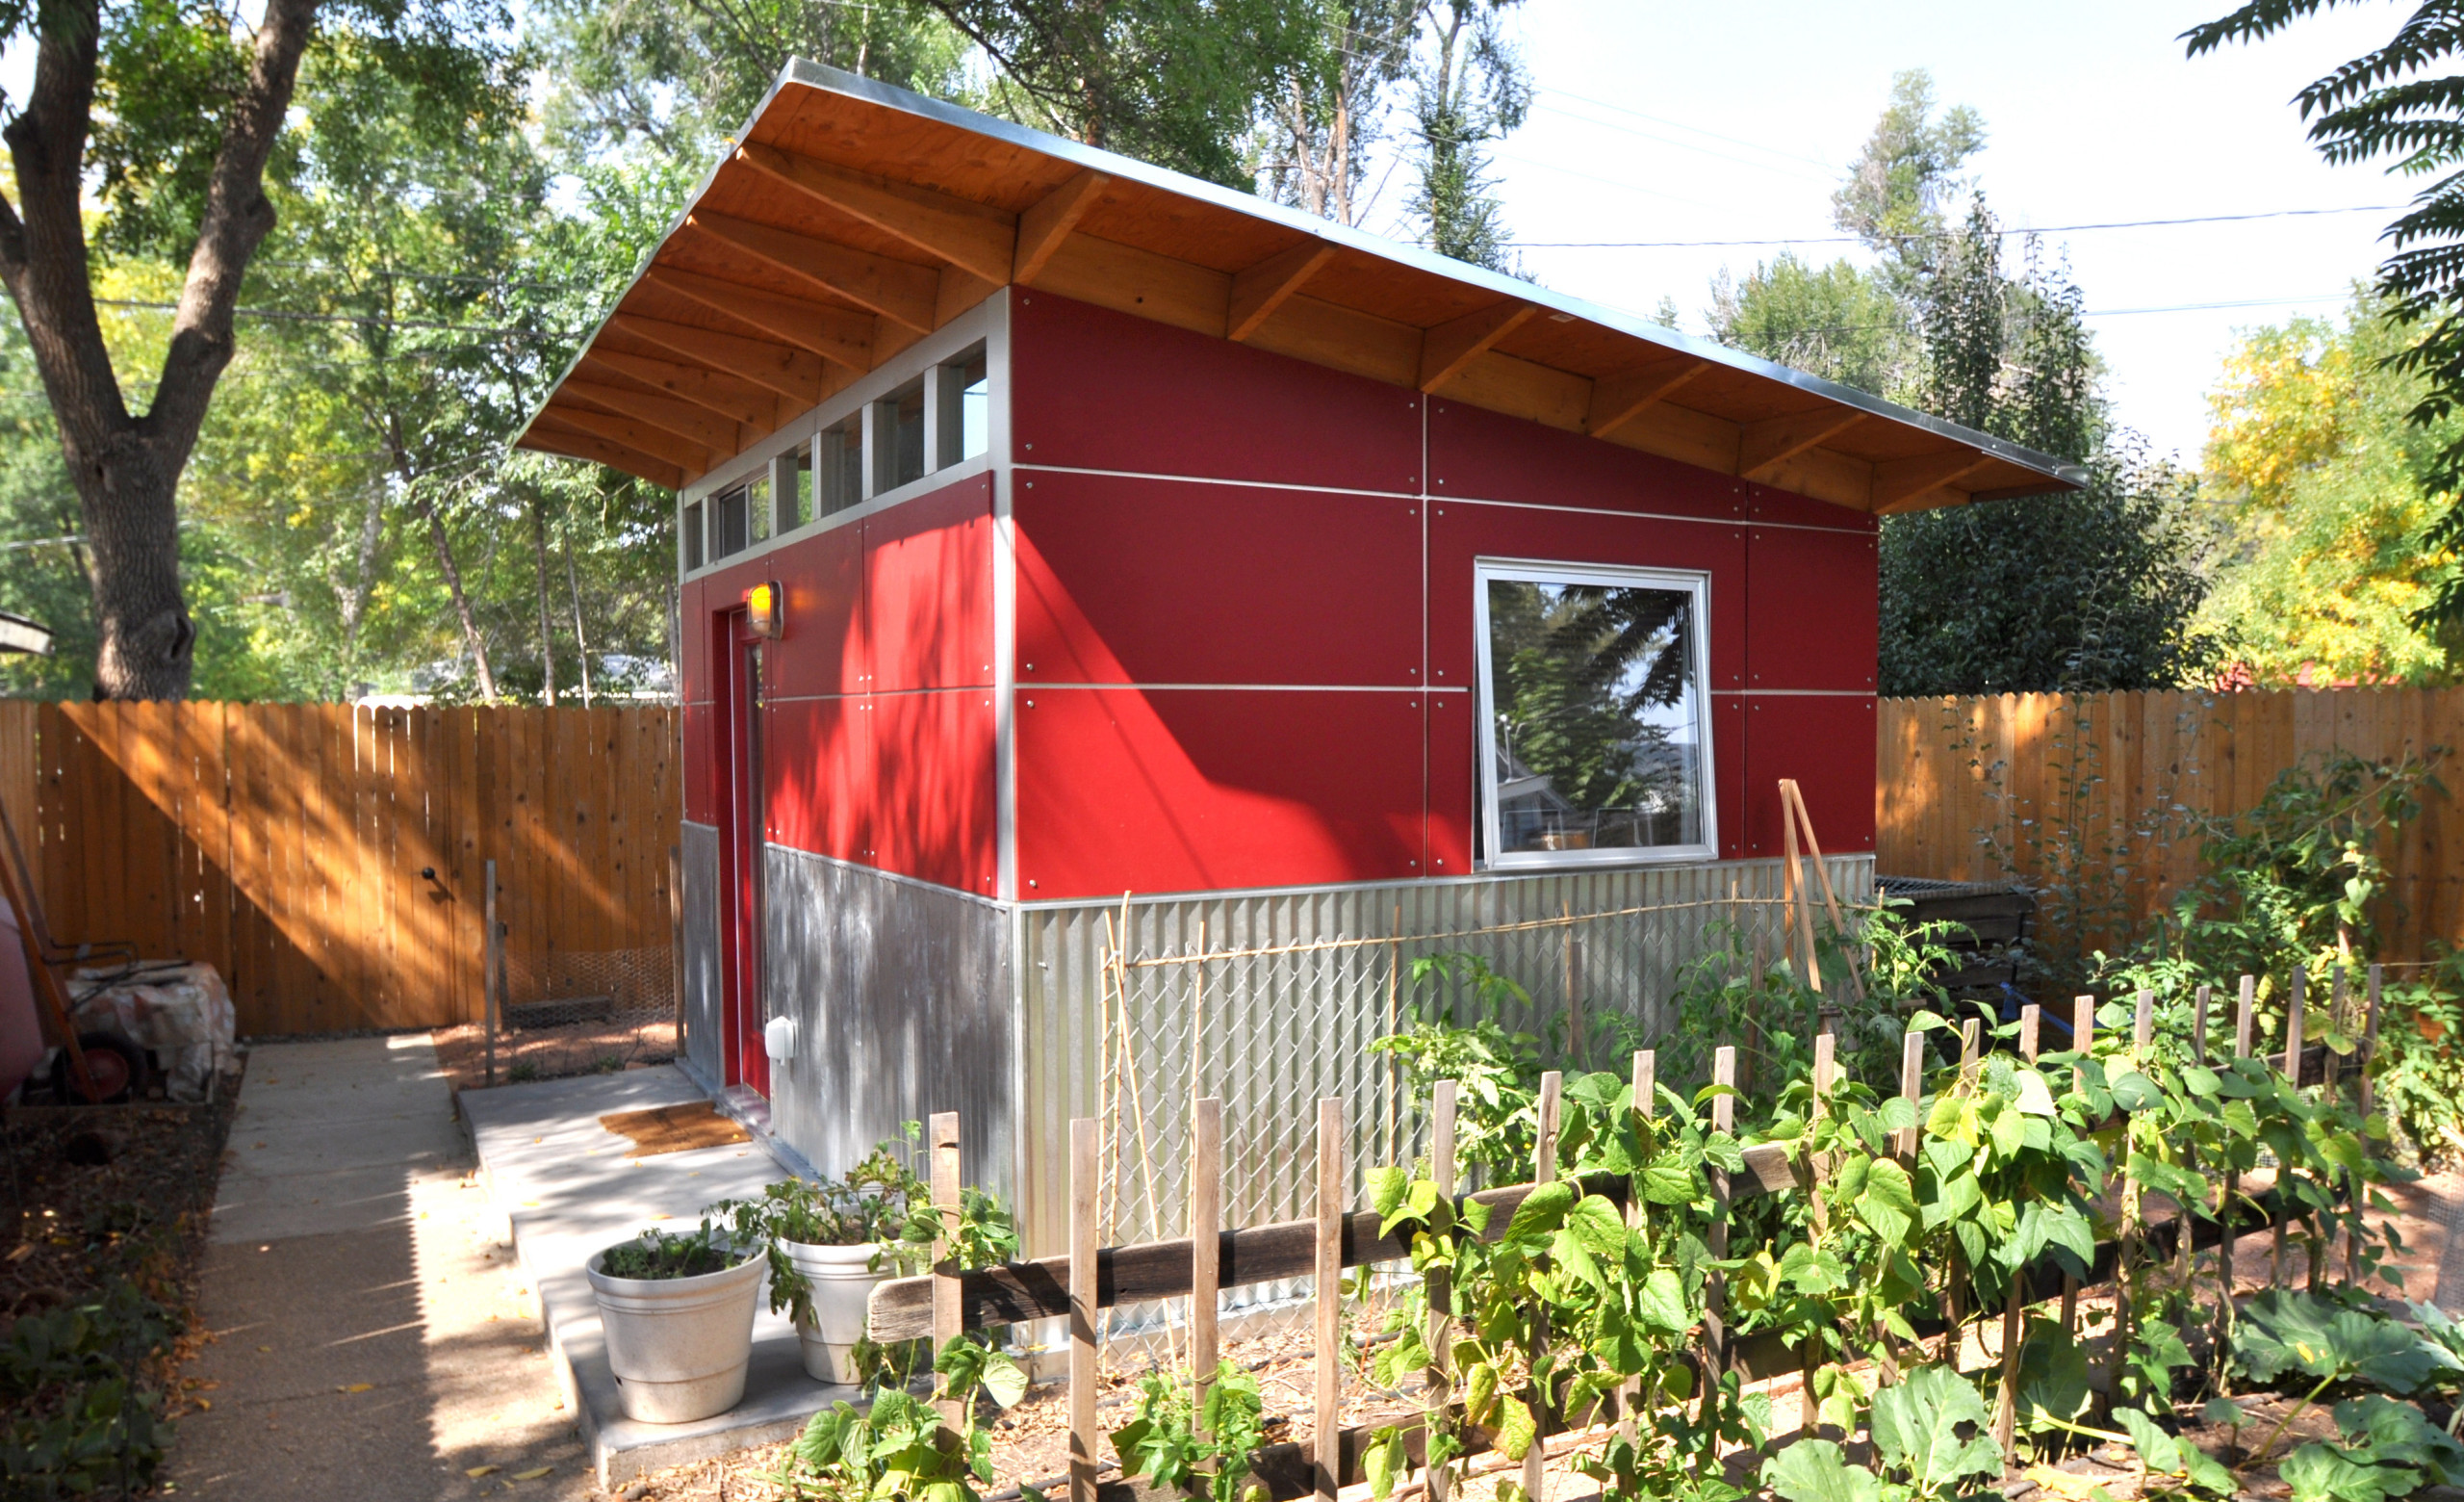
(327, 859)
(943, 1304)
(1981, 789)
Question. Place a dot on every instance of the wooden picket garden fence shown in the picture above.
(941, 1305)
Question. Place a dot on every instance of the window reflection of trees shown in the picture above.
(1582, 760)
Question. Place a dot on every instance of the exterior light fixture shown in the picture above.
(765, 611)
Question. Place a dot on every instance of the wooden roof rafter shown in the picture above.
(855, 218)
(676, 418)
(546, 435)
(730, 397)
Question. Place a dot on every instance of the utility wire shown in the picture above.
(1942, 234)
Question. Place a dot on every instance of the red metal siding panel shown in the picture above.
(1728, 753)
(1826, 742)
(1186, 790)
(1453, 790)
(818, 769)
(1765, 505)
(823, 648)
(1812, 610)
(1094, 389)
(1489, 456)
(1458, 534)
(1164, 581)
(700, 765)
(928, 593)
(934, 789)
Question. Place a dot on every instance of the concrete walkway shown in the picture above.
(568, 1190)
(369, 1335)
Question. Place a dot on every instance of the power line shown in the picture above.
(288, 316)
(1944, 234)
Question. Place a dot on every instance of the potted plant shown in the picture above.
(678, 1311)
(833, 1241)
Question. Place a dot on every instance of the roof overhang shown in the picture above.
(855, 218)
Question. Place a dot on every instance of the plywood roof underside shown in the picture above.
(854, 219)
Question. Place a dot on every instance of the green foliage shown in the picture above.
(2172, 1459)
(1839, 321)
(80, 1421)
(1929, 1438)
(2388, 1450)
(2288, 1333)
(1908, 174)
(2393, 102)
(1204, 1450)
(897, 1448)
(881, 1203)
(2321, 566)
(1472, 89)
(662, 1254)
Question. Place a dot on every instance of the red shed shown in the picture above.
(1053, 528)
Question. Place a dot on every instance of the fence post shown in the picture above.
(1329, 1289)
(1437, 1280)
(945, 1252)
(1206, 1245)
(1083, 1170)
(1912, 1085)
(492, 957)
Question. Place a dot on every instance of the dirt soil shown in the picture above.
(530, 1053)
(101, 1195)
(1030, 1441)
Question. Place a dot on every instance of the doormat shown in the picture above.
(675, 1128)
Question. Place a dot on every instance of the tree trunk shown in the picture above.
(546, 629)
(581, 645)
(125, 468)
(470, 636)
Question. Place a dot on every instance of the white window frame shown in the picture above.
(1615, 576)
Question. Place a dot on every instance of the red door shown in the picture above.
(742, 832)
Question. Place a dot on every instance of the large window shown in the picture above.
(1596, 725)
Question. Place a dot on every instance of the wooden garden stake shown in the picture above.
(2228, 1209)
(2367, 1091)
(2292, 1008)
(2005, 1395)
(1577, 1043)
(2031, 1025)
(1817, 1169)
(2182, 1238)
(1646, 1083)
(1792, 889)
(2083, 1036)
(1327, 1446)
(2198, 1023)
(1438, 1282)
(1912, 1084)
(1083, 1170)
(1968, 1049)
(2126, 1260)
(1793, 806)
(945, 1251)
(1544, 1170)
(1715, 1289)
(2335, 1025)
(1206, 1242)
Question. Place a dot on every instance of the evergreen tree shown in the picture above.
(1470, 91)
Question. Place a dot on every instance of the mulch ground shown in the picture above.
(528, 1053)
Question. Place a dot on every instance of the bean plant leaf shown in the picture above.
(2317, 1473)
(2287, 1329)
(1542, 1212)
(1384, 1461)
(1934, 1426)
(1814, 1470)
(2398, 1432)
(1516, 1429)
(1889, 1204)
(1386, 1186)
(2053, 1377)
(1661, 1303)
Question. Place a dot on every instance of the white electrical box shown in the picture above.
(778, 1039)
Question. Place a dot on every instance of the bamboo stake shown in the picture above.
(1796, 799)
(1327, 1446)
(1084, 1167)
(1206, 1243)
(2229, 1208)
(1800, 913)
(1578, 1045)
(1439, 1281)
(2335, 1025)
(2183, 1258)
(1544, 1171)
(2142, 1035)
(945, 1249)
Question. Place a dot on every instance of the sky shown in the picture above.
(1656, 121)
